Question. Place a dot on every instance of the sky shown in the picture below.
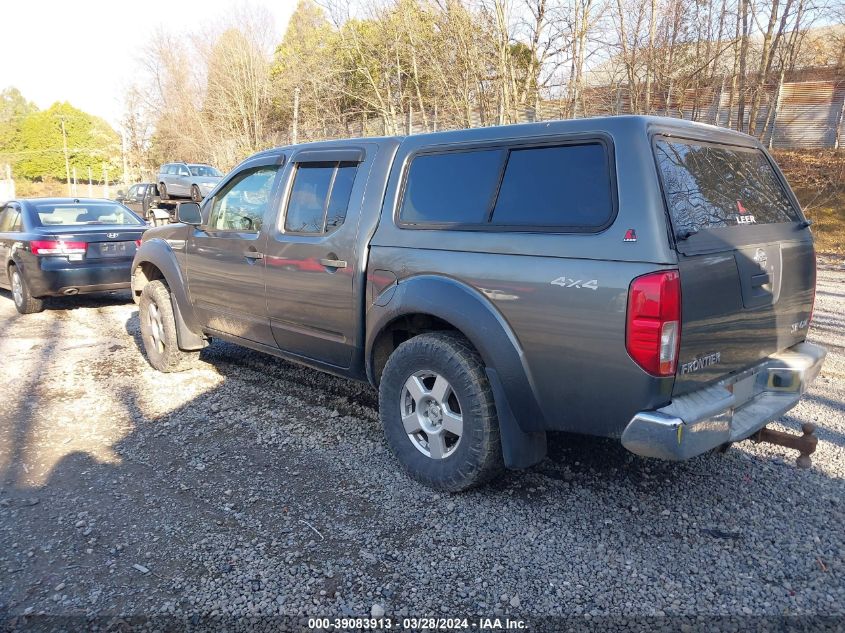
(86, 51)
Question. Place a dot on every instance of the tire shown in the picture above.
(162, 191)
(158, 330)
(459, 461)
(24, 301)
(196, 196)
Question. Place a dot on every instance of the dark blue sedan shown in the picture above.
(65, 246)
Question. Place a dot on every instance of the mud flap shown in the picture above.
(519, 449)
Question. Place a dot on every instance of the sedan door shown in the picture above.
(312, 256)
(225, 259)
(9, 219)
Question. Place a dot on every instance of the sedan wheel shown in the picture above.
(17, 288)
(24, 301)
(196, 196)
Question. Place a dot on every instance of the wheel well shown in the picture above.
(400, 330)
(144, 274)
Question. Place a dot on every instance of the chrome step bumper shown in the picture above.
(728, 411)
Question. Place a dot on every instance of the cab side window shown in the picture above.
(319, 197)
(241, 205)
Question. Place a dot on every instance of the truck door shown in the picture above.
(225, 255)
(312, 255)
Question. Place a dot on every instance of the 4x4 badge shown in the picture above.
(566, 282)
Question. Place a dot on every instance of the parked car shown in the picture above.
(187, 180)
(139, 198)
(144, 200)
(644, 279)
(65, 246)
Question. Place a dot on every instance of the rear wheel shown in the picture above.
(162, 191)
(24, 301)
(437, 410)
(158, 330)
(196, 196)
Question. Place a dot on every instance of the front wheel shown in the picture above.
(24, 301)
(438, 414)
(162, 191)
(158, 330)
(196, 196)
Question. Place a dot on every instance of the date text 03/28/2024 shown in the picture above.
(414, 624)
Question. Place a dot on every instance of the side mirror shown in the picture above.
(189, 213)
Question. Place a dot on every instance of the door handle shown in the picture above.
(254, 255)
(333, 263)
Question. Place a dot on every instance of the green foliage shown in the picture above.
(14, 109)
(91, 143)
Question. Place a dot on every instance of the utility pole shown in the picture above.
(67, 162)
(295, 133)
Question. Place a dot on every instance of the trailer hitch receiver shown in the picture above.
(805, 444)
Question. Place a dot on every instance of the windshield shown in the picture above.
(58, 214)
(708, 186)
(204, 170)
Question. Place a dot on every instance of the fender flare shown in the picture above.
(521, 420)
(158, 253)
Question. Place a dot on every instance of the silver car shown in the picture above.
(187, 180)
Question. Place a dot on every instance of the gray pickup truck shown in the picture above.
(638, 278)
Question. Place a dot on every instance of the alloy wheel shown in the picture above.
(156, 327)
(17, 288)
(431, 414)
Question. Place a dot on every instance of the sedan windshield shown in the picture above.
(204, 170)
(77, 214)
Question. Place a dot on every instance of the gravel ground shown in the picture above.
(252, 487)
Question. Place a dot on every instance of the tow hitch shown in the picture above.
(805, 444)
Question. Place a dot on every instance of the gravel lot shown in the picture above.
(251, 487)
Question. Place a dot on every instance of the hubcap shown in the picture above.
(17, 288)
(156, 328)
(431, 414)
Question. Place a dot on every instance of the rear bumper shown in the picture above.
(728, 411)
(52, 278)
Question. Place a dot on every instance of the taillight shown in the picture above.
(653, 327)
(137, 243)
(57, 247)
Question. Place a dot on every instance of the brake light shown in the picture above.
(59, 247)
(653, 326)
(137, 243)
